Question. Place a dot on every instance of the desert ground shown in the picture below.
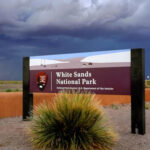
(10, 86)
(13, 131)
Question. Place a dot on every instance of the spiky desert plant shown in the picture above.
(71, 122)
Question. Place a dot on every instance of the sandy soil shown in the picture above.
(13, 135)
(120, 117)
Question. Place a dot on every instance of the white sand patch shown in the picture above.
(109, 58)
(38, 62)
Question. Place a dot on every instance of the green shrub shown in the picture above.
(8, 90)
(16, 90)
(148, 82)
(113, 106)
(147, 106)
(71, 122)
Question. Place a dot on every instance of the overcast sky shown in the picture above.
(40, 27)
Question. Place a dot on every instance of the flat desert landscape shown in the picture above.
(10, 86)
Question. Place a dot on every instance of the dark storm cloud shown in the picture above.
(10, 69)
(40, 27)
(88, 18)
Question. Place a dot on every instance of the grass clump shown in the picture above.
(113, 106)
(16, 90)
(71, 122)
(8, 90)
(10, 82)
(147, 106)
(12, 90)
(148, 82)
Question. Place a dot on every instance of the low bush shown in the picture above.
(8, 90)
(113, 106)
(16, 90)
(147, 106)
(71, 122)
(148, 82)
(12, 90)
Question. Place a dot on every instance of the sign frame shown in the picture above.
(137, 90)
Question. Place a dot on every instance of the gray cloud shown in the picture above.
(41, 27)
(88, 18)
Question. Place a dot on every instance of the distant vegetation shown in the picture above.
(12, 90)
(147, 83)
(10, 82)
(113, 106)
(8, 90)
(10, 86)
(147, 106)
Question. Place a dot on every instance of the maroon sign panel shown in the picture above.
(97, 72)
(95, 80)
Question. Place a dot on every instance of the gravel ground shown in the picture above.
(121, 119)
(13, 134)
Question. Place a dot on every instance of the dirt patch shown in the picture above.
(13, 133)
(120, 118)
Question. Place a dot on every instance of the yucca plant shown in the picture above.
(71, 122)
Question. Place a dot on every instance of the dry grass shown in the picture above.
(10, 82)
(147, 83)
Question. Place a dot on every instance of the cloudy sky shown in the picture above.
(40, 27)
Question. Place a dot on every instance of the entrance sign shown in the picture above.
(102, 72)
(119, 72)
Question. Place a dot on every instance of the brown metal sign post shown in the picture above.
(137, 77)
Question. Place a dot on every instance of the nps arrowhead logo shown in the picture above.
(41, 80)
